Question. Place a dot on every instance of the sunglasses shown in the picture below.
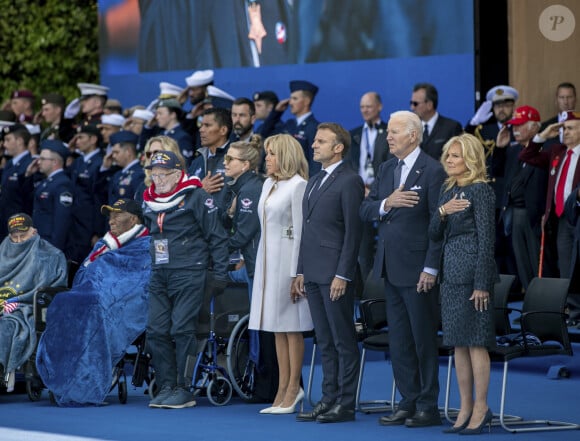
(229, 158)
(416, 103)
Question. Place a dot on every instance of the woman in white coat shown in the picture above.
(274, 307)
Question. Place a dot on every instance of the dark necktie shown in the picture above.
(397, 178)
(317, 183)
(425, 132)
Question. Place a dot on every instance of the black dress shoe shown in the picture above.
(337, 414)
(395, 419)
(423, 419)
(318, 409)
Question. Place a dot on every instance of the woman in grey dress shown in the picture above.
(466, 225)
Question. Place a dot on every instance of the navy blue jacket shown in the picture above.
(15, 191)
(124, 184)
(199, 167)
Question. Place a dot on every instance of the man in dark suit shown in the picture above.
(562, 162)
(402, 199)
(326, 267)
(437, 129)
(304, 124)
(572, 211)
(368, 151)
(565, 101)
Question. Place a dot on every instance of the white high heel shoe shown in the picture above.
(268, 409)
(289, 409)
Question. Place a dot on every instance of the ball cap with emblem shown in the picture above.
(53, 98)
(123, 205)
(523, 114)
(200, 78)
(89, 89)
(165, 159)
(570, 115)
(14, 128)
(124, 136)
(55, 146)
(297, 85)
(500, 94)
(19, 222)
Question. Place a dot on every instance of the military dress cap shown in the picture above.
(168, 90)
(112, 119)
(171, 103)
(200, 78)
(22, 93)
(570, 115)
(19, 222)
(123, 205)
(89, 89)
(303, 85)
(143, 114)
(523, 114)
(219, 98)
(53, 98)
(165, 159)
(13, 128)
(499, 94)
(124, 136)
(266, 95)
(56, 147)
(91, 129)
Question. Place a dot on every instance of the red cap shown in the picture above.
(23, 93)
(570, 115)
(524, 114)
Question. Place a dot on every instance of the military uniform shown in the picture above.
(15, 190)
(184, 141)
(126, 182)
(87, 220)
(52, 213)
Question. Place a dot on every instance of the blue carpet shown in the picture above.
(531, 394)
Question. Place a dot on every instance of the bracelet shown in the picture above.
(442, 212)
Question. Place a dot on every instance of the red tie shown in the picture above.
(562, 184)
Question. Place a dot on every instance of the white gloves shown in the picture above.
(483, 113)
(72, 109)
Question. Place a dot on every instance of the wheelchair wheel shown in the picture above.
(240, 367)
(122, 389)
(152, 388)
(219, 391)
(33, 390)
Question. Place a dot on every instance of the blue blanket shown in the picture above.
(89, 328)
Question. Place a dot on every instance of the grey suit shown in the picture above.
(329, 248)
(403, 251)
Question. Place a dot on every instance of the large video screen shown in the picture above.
(346, 47)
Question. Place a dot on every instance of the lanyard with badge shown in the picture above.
(161, 245)
(370, 172)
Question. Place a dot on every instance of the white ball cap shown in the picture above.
(88, 89)
(167, 90)
(143, 114)
(199, 78)
(113, 119)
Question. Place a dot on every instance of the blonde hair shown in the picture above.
(289, 156)
(250, 150)
(473, 155)
(167, 144)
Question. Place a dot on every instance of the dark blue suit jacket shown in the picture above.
(404, 247)
(331, 229)
(444, 129)
(381, 148)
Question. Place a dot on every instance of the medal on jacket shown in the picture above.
(554, 165)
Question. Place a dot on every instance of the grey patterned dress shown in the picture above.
(467, 264)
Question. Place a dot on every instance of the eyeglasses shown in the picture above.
(229, 158)
(416, 103)
(162, 176)
(149, 154)
(40, 158)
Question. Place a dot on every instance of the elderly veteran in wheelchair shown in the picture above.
(90, 327)
(27, 263)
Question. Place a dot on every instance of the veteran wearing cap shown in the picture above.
(303, 125)
(88, 224)
(185, 231)
(15, 186)
(27, 263)
(524, 195)
(562, 164)
(53, 196)
(22, 104)
(52, 111)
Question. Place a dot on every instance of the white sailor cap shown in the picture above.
(168, 90)
(88, 89)
(200, 78)
(113, 119)
(143, 114)
(33, 129)
(499, 94)
(219, 98)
